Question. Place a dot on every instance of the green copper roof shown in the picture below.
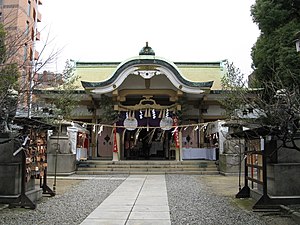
(139, 61)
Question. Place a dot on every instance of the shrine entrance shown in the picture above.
(147, 93)
(143, 144)
(147, 122)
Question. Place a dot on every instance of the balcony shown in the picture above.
(36, 55)
(35, 36)
(38, 36)
(39, 17)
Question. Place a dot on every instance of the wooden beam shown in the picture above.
(168, 92)
(179, 93)
(115, 92)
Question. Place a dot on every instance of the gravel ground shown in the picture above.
(71, 207)
(192, 201)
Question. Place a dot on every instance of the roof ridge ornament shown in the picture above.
(147, 50)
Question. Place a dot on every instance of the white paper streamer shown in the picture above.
(100, 130)
(141, 114)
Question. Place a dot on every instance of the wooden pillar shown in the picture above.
(200, 132)
(201, 135)
(94, 136)
(119, 145)
(93, 140)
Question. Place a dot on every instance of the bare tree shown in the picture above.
(275, 106)
(19, 63)
(64, 98)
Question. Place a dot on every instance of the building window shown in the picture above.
(25, 52)
(27, 28)
(29, 8)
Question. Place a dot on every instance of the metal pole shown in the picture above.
(32, 72)
(240, 165)
(265, 183)
(246, 167)
(56, 154)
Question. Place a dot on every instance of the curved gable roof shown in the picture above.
(128, 66)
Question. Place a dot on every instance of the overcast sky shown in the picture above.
(115, 30)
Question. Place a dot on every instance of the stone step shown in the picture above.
(145, 162)
(147, 169)
(147, 172)
(94, 167)
(147, 166)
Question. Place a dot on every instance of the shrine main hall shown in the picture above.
(149, 108)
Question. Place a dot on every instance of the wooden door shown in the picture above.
(105, 143)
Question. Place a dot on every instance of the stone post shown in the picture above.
(60, 158)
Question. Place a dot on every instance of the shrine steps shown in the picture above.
(98, 167)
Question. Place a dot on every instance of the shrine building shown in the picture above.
(148, 108)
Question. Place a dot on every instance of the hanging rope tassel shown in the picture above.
(164, 114)
(149, 112)
(137, 136)
(160, 114)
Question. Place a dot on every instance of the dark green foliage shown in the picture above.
(275, 91)
(274, 53)
(108, 115)
(273, 14)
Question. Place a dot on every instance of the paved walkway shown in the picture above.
(139, 200)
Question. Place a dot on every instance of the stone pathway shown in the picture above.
(140, 199)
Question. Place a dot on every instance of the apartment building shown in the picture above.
(20, 19)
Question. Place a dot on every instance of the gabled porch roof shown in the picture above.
(202, 77)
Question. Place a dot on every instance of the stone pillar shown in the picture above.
(283, 172)
(177, 152)
(231, 160)
(59, 156)
(115, 156)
